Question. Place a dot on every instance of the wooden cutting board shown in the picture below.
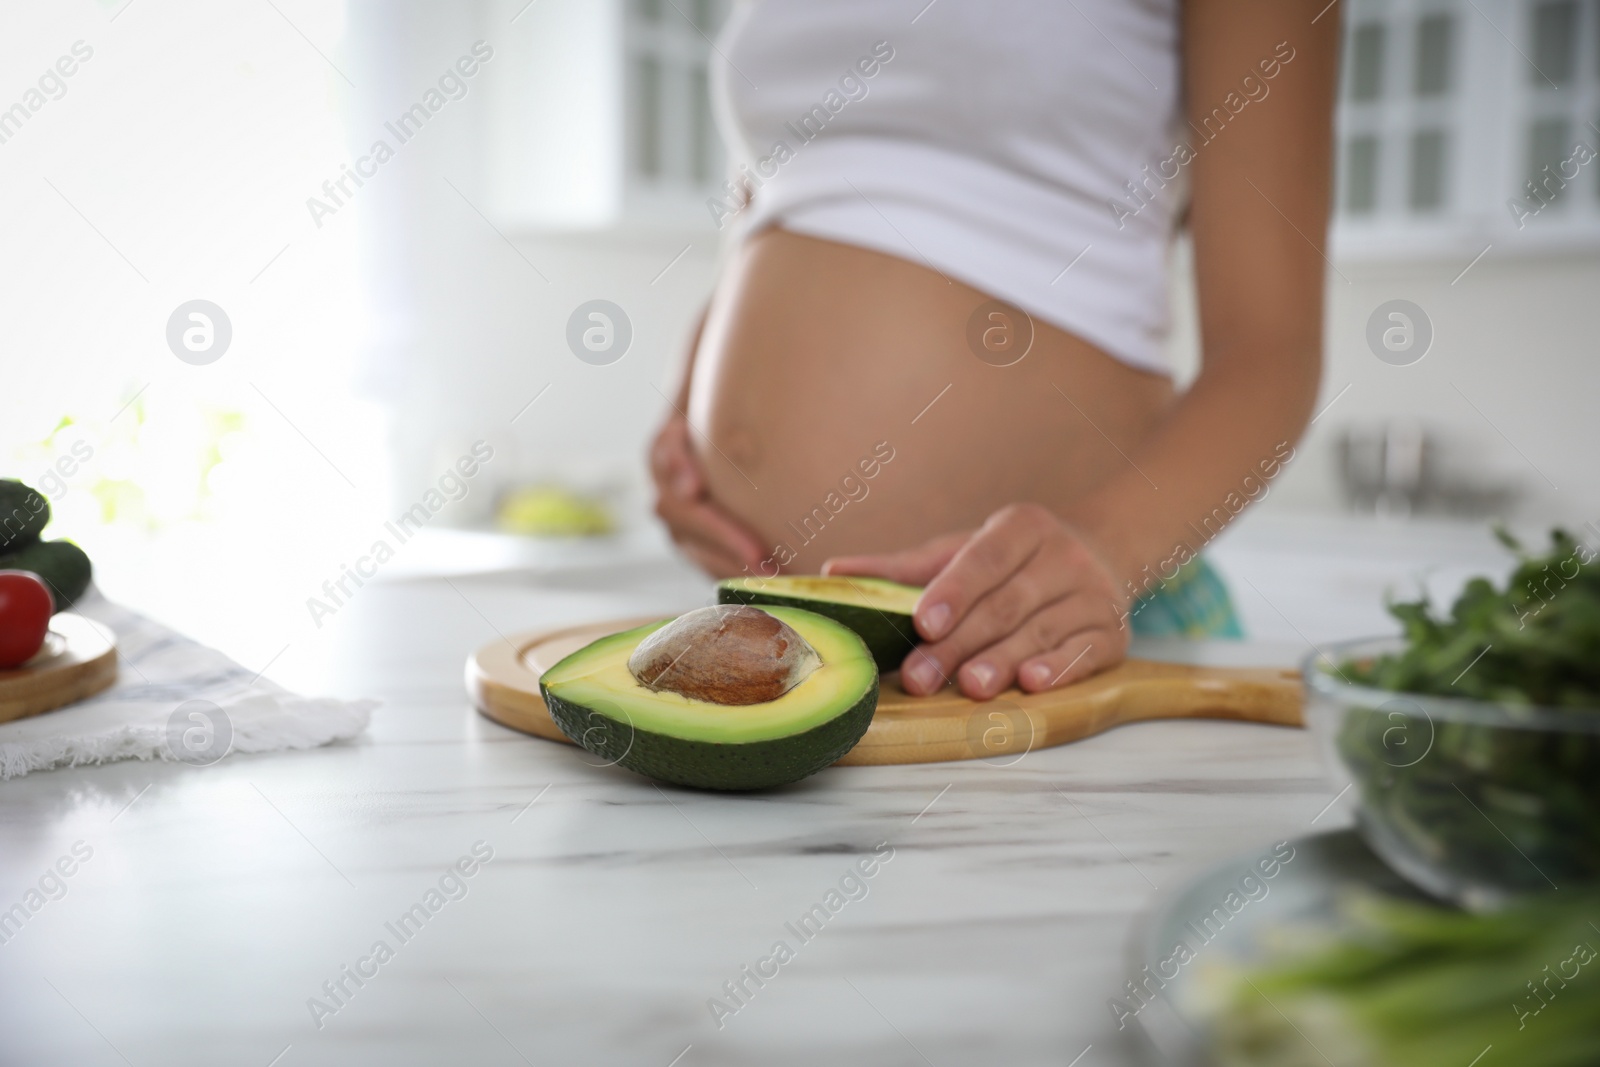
(503, 681)
(78, 660)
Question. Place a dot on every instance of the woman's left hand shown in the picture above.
(1024, 599)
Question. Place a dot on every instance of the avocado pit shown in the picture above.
(725, 654)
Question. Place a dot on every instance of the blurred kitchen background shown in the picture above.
(375, 338)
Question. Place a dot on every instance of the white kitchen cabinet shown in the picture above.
(1462, 125)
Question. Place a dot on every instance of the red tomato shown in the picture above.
(25, 609)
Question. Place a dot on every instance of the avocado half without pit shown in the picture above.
(878, 610)
(725, 697)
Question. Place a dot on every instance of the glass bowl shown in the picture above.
(1473, 802)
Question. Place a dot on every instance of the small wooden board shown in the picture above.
(503, 681)
(78, 660)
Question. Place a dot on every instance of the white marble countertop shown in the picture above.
(216, 902)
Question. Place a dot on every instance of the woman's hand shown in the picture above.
(714, 539)
(1024, 599)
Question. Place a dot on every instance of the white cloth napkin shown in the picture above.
(159, 673)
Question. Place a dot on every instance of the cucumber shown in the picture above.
(23, 515)
(61, 565)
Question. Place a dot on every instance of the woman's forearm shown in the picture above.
(1221, 444)
(1258, 217)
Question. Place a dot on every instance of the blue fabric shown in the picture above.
(1192, 603)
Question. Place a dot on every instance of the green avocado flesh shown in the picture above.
(876, 609)
(598, 703)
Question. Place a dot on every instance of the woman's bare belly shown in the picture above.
(847, 413)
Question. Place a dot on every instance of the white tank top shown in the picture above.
(1014, 145)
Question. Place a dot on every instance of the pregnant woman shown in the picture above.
(936, 354)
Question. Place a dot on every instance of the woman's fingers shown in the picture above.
(711, 557)
(708, 526)
(714, 561)
(1080, 656)
(914, 566)
(1023, 587)
(1062, 642)
(672, 461)
(1043, 652)
(1013, 607)
(1000, 548)
(714, 539)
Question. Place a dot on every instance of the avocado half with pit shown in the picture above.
(725, 697)
(876, 609)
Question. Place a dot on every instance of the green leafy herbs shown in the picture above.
(1485, 812)
(1474, 811)
(1537, 641)
(1407, 985)
(1480, 812)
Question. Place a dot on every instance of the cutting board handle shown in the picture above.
(1148, 689)
(948, 726)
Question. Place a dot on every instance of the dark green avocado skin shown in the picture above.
(889, 636)
(705, 764)
(61, 565)
(24, 513)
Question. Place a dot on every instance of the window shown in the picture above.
(1397, 113)
(1561, 125)
(703, 141)
(1427, 170)
(1366, 62)
(648, 118)
(1547, 147)
(672, 142)
(1441, 156)
(1433, 55)
(1360, 180)
(1361, 174)
(1555, 25)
